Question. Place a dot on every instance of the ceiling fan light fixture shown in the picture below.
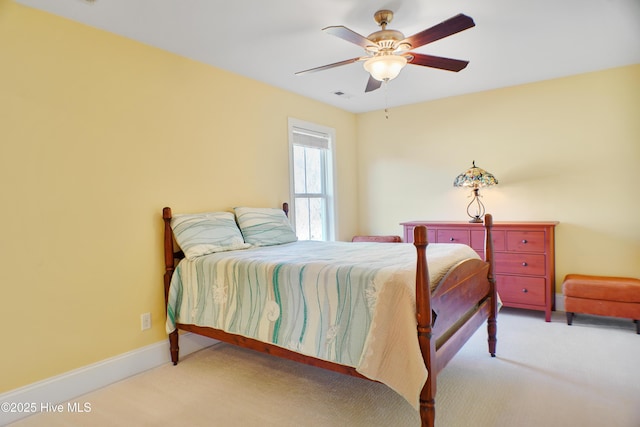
(385, 67)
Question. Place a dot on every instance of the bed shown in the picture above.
(396, 313)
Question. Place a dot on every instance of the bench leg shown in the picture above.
(637, 322)
(569, 318)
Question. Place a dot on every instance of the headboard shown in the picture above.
(173, 253)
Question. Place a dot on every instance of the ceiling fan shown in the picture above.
(388, 51)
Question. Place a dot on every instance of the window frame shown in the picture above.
(329, 181)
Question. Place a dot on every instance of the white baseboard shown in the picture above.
(72, 384)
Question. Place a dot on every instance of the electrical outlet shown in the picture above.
(145, 321)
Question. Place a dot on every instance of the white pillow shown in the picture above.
(201, 234)
(264, 226)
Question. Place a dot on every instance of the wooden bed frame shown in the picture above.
(446, 317)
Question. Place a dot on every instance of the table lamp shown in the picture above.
(475, 177)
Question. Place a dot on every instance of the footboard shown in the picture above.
(454, 301)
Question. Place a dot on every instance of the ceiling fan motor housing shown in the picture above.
(386, 39)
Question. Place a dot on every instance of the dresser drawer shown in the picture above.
(477, 240)
(453, 236)
(431, 235)
(408, 234)
(521, 290)
(520, 263)
(525, 241)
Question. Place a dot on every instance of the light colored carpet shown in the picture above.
(546, 374)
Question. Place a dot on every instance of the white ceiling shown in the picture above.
(513, 42)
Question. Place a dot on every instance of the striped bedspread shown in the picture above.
(350, 303)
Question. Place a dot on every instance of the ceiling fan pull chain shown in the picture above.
(386, 100)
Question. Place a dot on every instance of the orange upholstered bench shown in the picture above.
(603, 296)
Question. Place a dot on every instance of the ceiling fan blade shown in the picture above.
(444, 29)
(372, 84)
(349, 35)
(328, 66)
(437, 62)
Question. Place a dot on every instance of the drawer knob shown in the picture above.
(451, 239)
(525, 290)
(524, 264)
(524, 241)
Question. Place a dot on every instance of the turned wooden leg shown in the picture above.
(492, 329)
(492, 320)
(173, 346)
(428, 413)
(569, 318)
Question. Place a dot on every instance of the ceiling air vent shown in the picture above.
(342, 94)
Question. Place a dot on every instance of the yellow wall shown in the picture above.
(97, 134)
(566, 150)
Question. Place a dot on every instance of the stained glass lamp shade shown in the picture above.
(475, 178)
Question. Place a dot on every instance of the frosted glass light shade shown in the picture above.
(385, 67)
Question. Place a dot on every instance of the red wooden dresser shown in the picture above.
(524, 257)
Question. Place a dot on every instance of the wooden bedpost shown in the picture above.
(168, 252)
(424, 317)
(492, 321)
(285, 208)
(169, 263)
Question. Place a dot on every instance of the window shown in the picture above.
(311, 175)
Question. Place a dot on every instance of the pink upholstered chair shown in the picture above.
(381, 239)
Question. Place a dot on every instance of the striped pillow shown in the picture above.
(265, 226)
(201, 234)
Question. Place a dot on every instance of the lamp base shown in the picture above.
(479, 210)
